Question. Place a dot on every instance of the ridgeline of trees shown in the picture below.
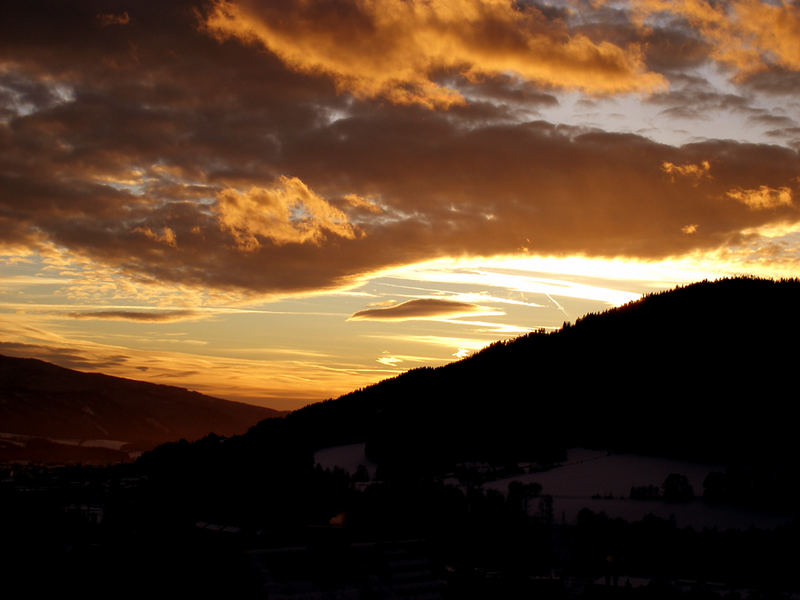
(700, 372)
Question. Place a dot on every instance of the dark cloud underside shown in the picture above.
(417, 309)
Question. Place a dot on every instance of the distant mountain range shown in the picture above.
(55, 414)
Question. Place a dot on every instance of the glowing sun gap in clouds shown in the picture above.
(331, 192)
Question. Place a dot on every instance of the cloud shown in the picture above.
(689, 229)
(422, 308)
(65, 357)
(366, 204)
(784, 132)
(179, 162)
(774, 120)
(506, 88)
(106, 19)
(393, 48)
(667, 49)
(279, 383)
(389, 361)
(748, 35)
(285, 212)
(688, 170)
(167, 236)
(763, 198)
(691, 97)
(128, 315)
(777, 80)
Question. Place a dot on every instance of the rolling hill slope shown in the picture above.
(40, 400)
(705, 371)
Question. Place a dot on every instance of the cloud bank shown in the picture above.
(284, 147)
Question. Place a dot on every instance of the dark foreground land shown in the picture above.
(129, 532)
(681, 374)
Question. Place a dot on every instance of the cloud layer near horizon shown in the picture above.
(251, 147)
(421, 308)
(164, 316)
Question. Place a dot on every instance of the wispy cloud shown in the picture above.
(514, 280)
(126, 315)
(421, 308)
(439, 340)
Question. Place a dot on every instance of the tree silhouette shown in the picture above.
(676, 488)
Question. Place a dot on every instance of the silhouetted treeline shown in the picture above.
(699, 372)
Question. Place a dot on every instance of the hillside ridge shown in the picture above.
(51, 403)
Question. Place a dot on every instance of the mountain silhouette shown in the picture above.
(42, 404)
(703, 371)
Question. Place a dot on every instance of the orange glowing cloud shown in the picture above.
(288, 212)
(749, 35)
(695, 171)
(394, 49)
(689, 229)
(167, 235)
(764, 197)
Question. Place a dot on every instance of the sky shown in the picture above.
(279, 202)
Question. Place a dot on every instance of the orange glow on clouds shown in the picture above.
(749, 35)
(697, 171)
(394, 48)
(284, 213)
(763, 198)
(280, 201)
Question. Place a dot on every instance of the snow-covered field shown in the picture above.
(345, 457)
(588, 473)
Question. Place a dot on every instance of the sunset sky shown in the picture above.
(282, 201)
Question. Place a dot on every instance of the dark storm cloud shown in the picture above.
(151, 147)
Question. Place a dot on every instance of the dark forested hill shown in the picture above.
(705, 371)
(41, 400)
